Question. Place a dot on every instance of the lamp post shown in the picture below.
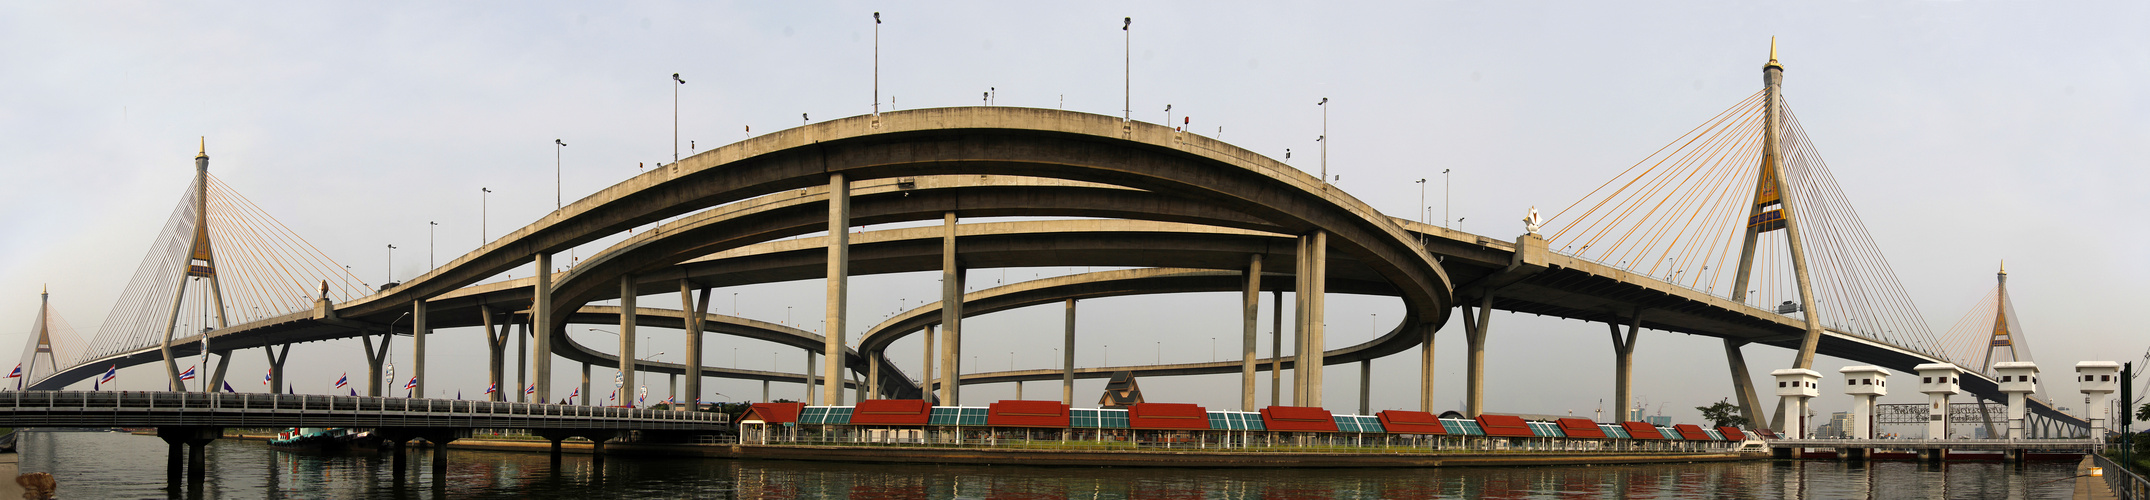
(556, 198)
(1447, 188)
(430, 227)
(1127, 103)
(877, 64)
(1324, 139)
(483, 217)
(391, 263)
(1421, 208)
(677, 81)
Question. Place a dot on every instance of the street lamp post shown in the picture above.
(1324, 139)
(556, 198)
(391, 263)
(483, 217)
(675, 115)
(1127, 103)
(1447, 189)
(877, 64)
(430, 227)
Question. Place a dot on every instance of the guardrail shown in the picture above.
(2084, 444)
(128, 409)
(2125, 484)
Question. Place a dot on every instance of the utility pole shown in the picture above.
(1127, 103)
(1324, 140)
(556, 199)
(675, 115)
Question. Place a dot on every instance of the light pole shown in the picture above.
(1324, 139)
(1127, 103)
(877, 64)
(1160, 352)
(675, 115)
(1168, 115)
(483, 201)
(558, 144)
(735, 303)
(1447, 188)
(1056, 358)
(430, 227)
(391, 263)
(1213, 349)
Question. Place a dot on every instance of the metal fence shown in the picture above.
(2125, 484)
(128, 409)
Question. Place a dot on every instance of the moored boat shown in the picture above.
(327, 441)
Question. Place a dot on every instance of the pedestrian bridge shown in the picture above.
(194, 409)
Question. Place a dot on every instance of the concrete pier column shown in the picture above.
(1250, 315)
(375, 357)
(495, 355)
(1624, 364)
(697, 323)
(397, 461)
(1475, 327)
(522, 362)
(543, 329)
(197, 461)
(839, 275)
(175, 460)
(1317, 316)
(419, 331)
(2019, 379)
(1366, 386)
(1425, 366)
(1938, 381)
(926, 377)
(1864, 383)
(585, 391)
(627, 351)
(1276, 347)
(873, 378)
(765, 391)
(811, 378)
(1067, 358)
(1750, 405)
(276, 366)
(1300, 275)
(952, 276)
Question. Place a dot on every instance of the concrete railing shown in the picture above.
(129, 409)
(2082, 444)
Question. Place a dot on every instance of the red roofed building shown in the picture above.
(1580, 428)
(1732, 433)
(1410, 422)
(1504, 426)
(1641, 430)
(1170, 416)
(891, 412)
(1298, 419)
(772, 413)
(1050, 414)
(1692, 432)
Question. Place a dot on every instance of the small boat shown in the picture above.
(326, 441)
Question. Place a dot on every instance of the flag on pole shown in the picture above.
(17, 372)
(187, 375)
(266, 377)
(492, 388)
(343, 380)
(530, 390)
(459, 394)
(615, 395)
(354, 391)
(110, 375)
(227, 387)
(413, 384)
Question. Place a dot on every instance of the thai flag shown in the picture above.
(530, 390)
(17, 372)
(413, 384)
(187, 375)
(265, 377)
(110, 375)
(341, 381)
(667, 400)
(489, 389)
(575, 393)
(615, 395)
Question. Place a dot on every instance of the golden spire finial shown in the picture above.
(205, 148)
(2004, 267)
(1773, 55)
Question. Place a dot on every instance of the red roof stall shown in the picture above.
(1580, 428)
(1641, 430)
(1297, 419)
(1050, 414)
(1692, 432)
(773, 413)
(1410, 422)
(1504, 426)
(1732, 433)
(1766, 433)
(1168, 416)
(891, 412)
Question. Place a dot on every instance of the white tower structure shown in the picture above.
(1797, 386)
(1864, 384)
(2019, 379)
(1938, 381)
(2098, 379)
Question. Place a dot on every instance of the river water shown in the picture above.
(117, 465)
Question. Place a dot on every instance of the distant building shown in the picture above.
(1839, 426)
(1658, 420)
(1121, 393)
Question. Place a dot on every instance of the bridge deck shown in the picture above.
(146, 409)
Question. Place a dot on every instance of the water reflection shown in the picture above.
(108, 465)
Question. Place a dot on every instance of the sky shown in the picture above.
(1966, 133)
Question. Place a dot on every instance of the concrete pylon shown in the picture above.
(2098, 379)
(1939, 382)
(1797, 386)
(1864, 383)
(2019, 379)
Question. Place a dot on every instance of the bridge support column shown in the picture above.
(1425, 366)
(439, 439)
(1299, 292)
(1317, 307)
(952, 277)
(925, 371)
(838, 277)
(1276, 348)
(1624, 363)
(810, 379)
(1475, 327)
(696, 324)
(1067, 358)
(522, 363)
(1750, 405)
(627, 333)
(873, 378)
(216, 380)
(1250, 316)
(585, 391)
(495, 344)
(375, 357)
(543, 328)
(1366, 386)
(191, 441)
(276, 366)
(419, 330)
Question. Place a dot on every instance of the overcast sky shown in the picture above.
(1965, 133)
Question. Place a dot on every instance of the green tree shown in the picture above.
(2143, 413)
(1722, 414)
